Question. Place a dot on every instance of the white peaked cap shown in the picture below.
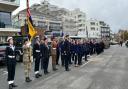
(37, 36)
(9, 38)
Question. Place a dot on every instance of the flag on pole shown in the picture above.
(31, 31)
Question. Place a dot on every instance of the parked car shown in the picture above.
(126, 43)
(113, 43)
(2, 53)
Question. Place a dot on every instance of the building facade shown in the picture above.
(62, 20)
(105, 30)
(95, 29)
(92, 29)
(6, 28)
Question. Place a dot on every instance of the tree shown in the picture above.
(124, 35)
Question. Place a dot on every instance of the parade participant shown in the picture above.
(85, 50)
(42, 44)
(76, 50)
(80, 52)
(62, 52)
(57, 52)
(54, 53)
(27, 60)
(36, 56)
(70, 52)
(73, 50)
(66, 52)
(11, 62)
(45, 54)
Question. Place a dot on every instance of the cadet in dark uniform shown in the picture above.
(11, 62)
(80, 53)
(76, 50)
(66, 52)
(45, 54)
(73, 50)
(62, 52)
(57, 53)
(36, 55)
(85, 50)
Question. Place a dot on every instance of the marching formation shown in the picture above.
(70, 51)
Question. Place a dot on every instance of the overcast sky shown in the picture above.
(113, 12)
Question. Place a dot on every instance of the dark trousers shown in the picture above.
(45, 64)
(79, 59)
(66, 60)
(69, 58)
(57, 57)
(73, 56)
(37, 63)
(62, 60)
(76, 59)
(85, 56)
(11, 66)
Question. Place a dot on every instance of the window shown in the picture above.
(5, 20)
(92, 23)
(92, 28)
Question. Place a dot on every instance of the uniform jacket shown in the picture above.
(45, 51)
(53, 48)
(66, 47)
(27, 53)
(36, 50)
(10, 52)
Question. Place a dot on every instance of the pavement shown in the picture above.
(106, 71)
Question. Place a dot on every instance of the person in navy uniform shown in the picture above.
(66, 52)
(62, 52)
(36, 56)
(85, 49)
(80, 52)
(45, 54)
(70, 52)
(11, 62)
(76, 50)
(73, 50)
(57, 52)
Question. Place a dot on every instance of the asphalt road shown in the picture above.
(106, 71)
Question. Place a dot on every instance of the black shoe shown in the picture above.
(28, 79)
(10, 86)
(14, 85)
(55, 69)
(46, 72)
(37, 76)
(86, 60)
(68, 70)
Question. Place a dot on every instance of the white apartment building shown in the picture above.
(95, 29)
(80, 19)
(92, 29)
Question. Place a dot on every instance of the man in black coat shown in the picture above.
(45, 54)
(11, 62)
(66, 52)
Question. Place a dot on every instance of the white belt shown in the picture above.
(11, 56)
(53, 48)
(37, 51)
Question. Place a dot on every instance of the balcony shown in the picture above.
(9, 5)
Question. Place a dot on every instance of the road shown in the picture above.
(106, 71)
